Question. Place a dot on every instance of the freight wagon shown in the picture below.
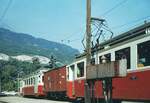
(55, 83)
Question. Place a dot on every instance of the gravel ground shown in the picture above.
(15, 99)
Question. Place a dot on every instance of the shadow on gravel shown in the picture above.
(3, 102)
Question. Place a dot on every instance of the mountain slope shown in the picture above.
(13, 43)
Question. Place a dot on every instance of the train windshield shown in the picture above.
(123, 54)
(80, 69)
(144, 54)
(108, 58)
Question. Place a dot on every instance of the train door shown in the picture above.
(36, 84)
(73, 79)
(21, 85)
(70, 81)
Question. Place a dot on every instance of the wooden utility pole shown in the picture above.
(88, 49)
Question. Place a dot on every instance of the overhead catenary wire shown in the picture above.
(134, 23)
(70, 40)
(131, 22)
(125, 24)
(101, 27)
(73, 34)
(5, 11)
(114, 7)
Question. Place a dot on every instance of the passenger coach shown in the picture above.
(32, 84)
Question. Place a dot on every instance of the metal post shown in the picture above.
(93, 89)
(107, 89)
(88, 49)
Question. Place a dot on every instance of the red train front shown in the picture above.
(134, 45)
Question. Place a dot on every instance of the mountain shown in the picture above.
(12, 43)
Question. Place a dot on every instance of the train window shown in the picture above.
(143, 54)
(92, 61)
(80, 69)
(108, 58)
(123, 53)
(25, 82)
(31, 81)
(34, 80)
(67, 73)
(49, 78)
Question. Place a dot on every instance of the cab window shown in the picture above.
(123, 54)
(80, 69)
(143, 54)
(107, 56)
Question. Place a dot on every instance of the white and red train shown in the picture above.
(68, 81)
(32, 85)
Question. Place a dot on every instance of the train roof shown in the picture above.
(35, 73)
(140, 30)
(55, 68)
(128, 35)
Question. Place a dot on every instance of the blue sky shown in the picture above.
(58, 20)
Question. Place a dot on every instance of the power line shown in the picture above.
(117, 5)
(131, 22)
(70, 36)
(5, 11)
(69, 41)
(132, 26)
(77, 32)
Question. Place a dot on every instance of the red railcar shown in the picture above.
(55, 82)
(134, 87)
(32, 85)
(134, 45)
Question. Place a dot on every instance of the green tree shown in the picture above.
(9, 72)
